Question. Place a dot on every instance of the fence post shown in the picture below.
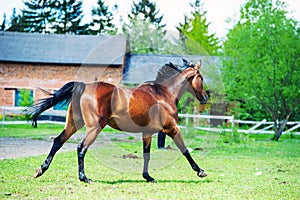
(3, 116)
(186, 124)
(232, 123)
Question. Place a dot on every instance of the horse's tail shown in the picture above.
(63, 95)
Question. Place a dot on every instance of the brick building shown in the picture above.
(30, 61)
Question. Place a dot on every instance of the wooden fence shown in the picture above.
(11, 111)
(241, 126)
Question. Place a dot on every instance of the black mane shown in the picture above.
(169, 70)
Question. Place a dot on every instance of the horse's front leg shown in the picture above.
(177, 137)
(146, 154)
(200, 172)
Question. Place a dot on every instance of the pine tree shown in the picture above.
(145, 29)
(68, 17)
(145, 37)
(16, 22)
(3, 23)
(146, 10)
(37, 14)
(194, 32)
(102, 20)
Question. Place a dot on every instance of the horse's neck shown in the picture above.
(176, 86)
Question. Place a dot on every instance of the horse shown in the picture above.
(147, 109)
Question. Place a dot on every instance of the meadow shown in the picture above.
(238, 167)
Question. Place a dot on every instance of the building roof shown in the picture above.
(144, 67)
(62, 49)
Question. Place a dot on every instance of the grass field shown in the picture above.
(238, 167)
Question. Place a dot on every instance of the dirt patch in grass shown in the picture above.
(25, 147)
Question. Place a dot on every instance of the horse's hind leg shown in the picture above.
(71, 127)
(91, 135)
(146, 150)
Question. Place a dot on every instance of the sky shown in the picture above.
(173, 11)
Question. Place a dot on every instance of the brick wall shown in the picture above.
(49, 77)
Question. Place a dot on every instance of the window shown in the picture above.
(23, 97)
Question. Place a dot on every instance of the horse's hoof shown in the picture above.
(86, 180)
(151, 180)
(148, 178)
(201, 174)
(38, 172)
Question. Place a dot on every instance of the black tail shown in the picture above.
(63, 95)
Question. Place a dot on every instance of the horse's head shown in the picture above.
(195, 80)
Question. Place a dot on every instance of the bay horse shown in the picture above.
(147, 109)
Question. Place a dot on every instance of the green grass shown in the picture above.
(27, 131)
(42, 132)
(238, 167)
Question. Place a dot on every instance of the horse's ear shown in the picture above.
(171, 64)
(185, 62)
(197, 67)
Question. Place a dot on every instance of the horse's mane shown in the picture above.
(169, 70)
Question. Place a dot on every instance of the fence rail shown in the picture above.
(234, 123)
(258, 127)
(7, 111)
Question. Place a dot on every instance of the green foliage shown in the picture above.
(37, 15)
(102, 20)
(130, 137)
(25, 98)
(16, 22)
(146, 10)
(68, 17)
(195, 35)
(261, 62)
(145, 29)
(3, 23)
(187, 104)
(51, 16)
(146, 37)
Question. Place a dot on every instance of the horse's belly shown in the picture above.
(134, 125)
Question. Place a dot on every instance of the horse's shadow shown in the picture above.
(157, 181)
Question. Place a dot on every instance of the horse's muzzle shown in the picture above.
(205, 98)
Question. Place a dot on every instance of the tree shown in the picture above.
(102, 20)
(146, 10)
(261, 66)
(145, 29)
(16, 22)
(37, 15)
(194, 32)
(3, 23)
(68, 17)
(146, 37)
